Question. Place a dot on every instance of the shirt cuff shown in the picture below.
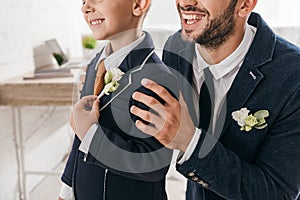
(66, 192)
(190, 149)
(87, 140)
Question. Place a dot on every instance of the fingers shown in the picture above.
(96, 107)
(147, 116)
(159, 90)
(87, 101)
(149, 101)
(82, 78)
(150, 130)
(85, 113)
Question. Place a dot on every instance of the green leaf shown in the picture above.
(108, 77)
(248, 128)
(261, 114)
(260, 122)
(261, 127)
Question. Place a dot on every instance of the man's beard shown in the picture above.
(217, 30)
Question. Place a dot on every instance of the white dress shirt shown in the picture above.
(112, 60)
(224, 74)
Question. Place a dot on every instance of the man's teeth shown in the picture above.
(190, 22)
(95, 22)
(191, 17)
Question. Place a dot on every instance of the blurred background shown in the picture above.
(26, 25)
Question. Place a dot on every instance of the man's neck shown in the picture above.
(215, 56)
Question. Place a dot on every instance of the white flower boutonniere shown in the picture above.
(111, 79)
(247, 122)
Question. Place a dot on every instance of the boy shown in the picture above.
(115, 160)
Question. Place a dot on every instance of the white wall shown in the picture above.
(162, 14)
(279, 13)
(26, 24)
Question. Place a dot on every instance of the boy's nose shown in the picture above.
(87, 7)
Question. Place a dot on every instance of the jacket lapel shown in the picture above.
(250, 75)
(185, 60)
(131, 63)
(243, 86)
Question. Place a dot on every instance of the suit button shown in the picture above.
(190, 174)
(205, 185)
(195, 178)
(200, 182)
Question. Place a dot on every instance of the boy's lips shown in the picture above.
(94, 22)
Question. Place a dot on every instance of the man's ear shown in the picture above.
(140, 7)
(246, 7)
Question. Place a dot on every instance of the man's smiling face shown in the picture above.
(207, 22)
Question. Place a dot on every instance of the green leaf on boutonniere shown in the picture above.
(261, 114)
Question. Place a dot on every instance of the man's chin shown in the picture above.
(186, 35)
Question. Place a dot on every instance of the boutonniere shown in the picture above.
(247, 122)
(111, 79)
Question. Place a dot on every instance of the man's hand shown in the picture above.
(172, 125)
(84, 114)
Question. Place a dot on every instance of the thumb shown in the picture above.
(96, 107)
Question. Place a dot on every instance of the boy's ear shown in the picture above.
(140, 7)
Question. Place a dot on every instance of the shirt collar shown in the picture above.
(233, 60)
(113, 60)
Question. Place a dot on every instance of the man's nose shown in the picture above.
(186, 3)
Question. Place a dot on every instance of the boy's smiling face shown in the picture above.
(107, 18)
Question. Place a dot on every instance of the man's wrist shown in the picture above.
(183, 156)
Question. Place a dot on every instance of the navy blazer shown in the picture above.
(122, 163)
(259, 164)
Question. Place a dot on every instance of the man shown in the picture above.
(250, 147)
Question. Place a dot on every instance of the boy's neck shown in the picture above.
(125, 38)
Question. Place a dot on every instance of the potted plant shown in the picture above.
(88, 45)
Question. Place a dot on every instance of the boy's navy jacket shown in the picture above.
(259, 164)
(123, 163)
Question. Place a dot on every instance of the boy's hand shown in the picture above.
(84, 114)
